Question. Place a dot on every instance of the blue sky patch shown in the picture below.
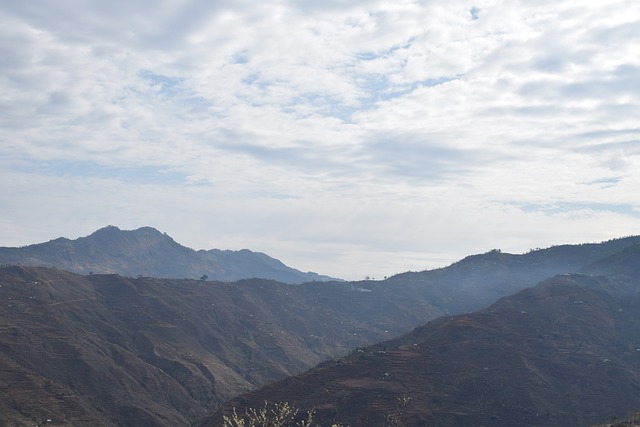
(475, 13)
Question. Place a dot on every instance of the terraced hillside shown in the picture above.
(563, 353)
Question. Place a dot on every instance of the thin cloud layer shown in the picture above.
(351, 138)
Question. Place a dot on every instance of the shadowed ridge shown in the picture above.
(568, 256)
(148, 252)
(624, 263)
(478, 280)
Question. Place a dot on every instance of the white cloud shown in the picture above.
(347, 137)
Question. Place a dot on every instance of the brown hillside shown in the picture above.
(564, 353)
(109, 350)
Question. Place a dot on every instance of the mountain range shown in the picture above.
(106, 349)
(563, 353)
(148, 252)
(111, 350)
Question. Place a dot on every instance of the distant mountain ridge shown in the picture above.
(148, 252)
(478, 280)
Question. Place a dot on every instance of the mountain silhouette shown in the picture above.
(147, 252)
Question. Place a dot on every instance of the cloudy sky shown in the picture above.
(346, 137)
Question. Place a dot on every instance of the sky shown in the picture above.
(347, 137)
